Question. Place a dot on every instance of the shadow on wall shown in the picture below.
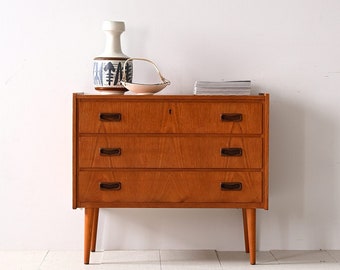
(219, 229)
(302, 186)
(302, 196)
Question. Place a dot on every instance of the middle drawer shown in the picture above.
(170, 152)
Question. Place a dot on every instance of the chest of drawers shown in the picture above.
(172, 152)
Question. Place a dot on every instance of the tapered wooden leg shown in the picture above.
(245, 229)
(251, 224)
(89, 213)
(94, 229)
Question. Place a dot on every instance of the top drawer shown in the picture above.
(189, 116)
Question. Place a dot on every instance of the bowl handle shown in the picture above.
(165, 81)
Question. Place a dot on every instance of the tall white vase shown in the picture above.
(108, 67)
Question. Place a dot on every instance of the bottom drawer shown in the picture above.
(169, 187)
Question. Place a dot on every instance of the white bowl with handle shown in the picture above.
(144, 89)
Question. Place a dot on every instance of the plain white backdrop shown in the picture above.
(288, 48)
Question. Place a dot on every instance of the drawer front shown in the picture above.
(170, 152)
(169, 187)
(170, 117)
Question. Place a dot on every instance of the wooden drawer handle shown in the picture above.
(231, 186)
(231, 117)
(231, 152)
(110, 117)
(110, 186)
(110, 151)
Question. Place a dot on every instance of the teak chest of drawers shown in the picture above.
(170, 151)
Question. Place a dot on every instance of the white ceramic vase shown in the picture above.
(108, 67)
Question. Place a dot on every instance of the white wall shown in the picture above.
(289, 48)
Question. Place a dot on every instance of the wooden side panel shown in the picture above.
(265, 150)
(75, 137)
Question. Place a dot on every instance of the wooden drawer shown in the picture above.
(142, 186)
(170, 117)
(170, 152)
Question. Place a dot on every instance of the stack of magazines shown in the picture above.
(222, 88)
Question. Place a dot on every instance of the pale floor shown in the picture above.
(169, 260)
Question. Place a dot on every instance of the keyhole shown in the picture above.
(170, 111)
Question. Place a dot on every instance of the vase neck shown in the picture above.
(113, 46)
(112, 43)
